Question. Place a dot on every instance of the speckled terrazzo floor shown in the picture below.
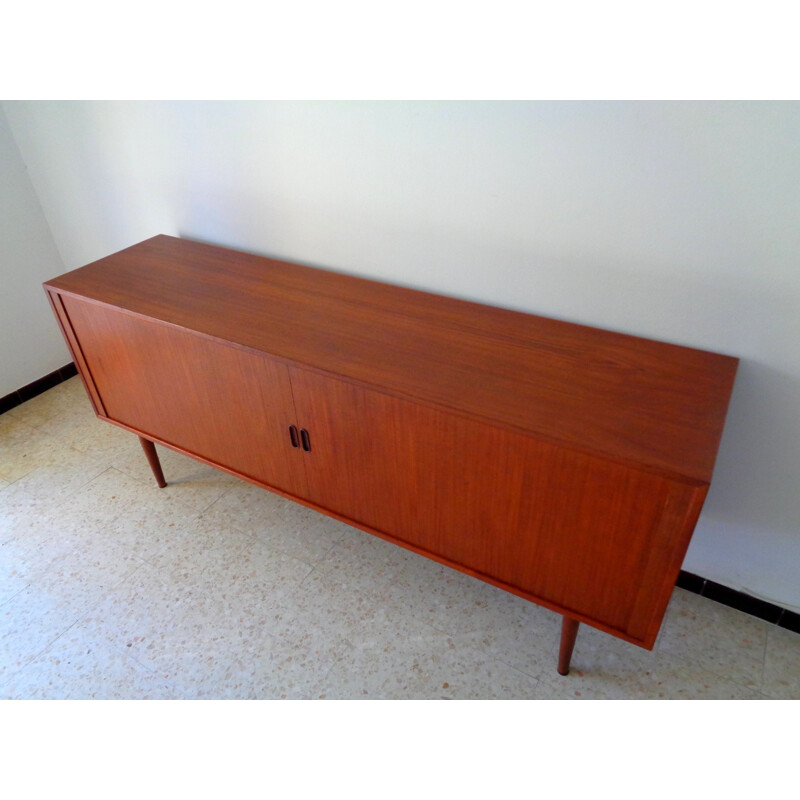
(213, 588)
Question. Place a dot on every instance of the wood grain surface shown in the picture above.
(649, 404)
(210, 399)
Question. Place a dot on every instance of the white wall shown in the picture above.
(677, 221)
(30, 343)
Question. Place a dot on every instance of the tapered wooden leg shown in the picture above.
(569, 630)
(152, 458)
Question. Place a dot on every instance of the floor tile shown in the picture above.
(376, 649)
(224, 562)
(66, 397)
(364, 562)
(73, 669)
(196, 634)
(782, 665)
(279, 523)
(607, 668)
(73, 570)
(661, 682)
(423, 663)
(44, 488)
(247, 507)
(717, 638)
(81, 430)
(29, 622)
(458, 603)
(325, 615)
(113, 495)
(22, 449)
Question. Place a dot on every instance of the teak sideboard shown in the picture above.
(563, 463)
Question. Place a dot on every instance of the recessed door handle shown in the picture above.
(293, 436)
(306, 441)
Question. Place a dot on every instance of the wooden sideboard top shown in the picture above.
(657, 406)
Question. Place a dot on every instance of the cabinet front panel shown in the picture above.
(227, 405)
(369, 460)
(573, 530)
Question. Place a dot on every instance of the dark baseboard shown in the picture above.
(37, 387)
(781, 617)
(686, 580)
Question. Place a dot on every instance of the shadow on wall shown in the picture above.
(757, 475)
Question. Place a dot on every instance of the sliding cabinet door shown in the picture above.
(582, 534)
(369, 457)
(211, 399)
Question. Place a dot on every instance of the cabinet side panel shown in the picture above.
(665, 556)
(219, 402)
(74, 346)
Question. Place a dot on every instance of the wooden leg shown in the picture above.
(152, 458)
(569, 630)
